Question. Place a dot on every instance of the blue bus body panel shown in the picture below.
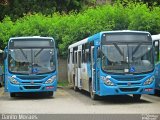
(34, 85)
(94, 37)
(157, 76)
(125, 84)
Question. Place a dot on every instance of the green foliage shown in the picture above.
(18, 8)
(63, 83)
(69, 28)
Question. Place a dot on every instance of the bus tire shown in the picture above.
(92, 95)
(12, 94)
(50, 93)
(157, 92)
(136, 97)
(75, 88)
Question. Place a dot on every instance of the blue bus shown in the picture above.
(156, 40)
(113, 63)
(30, 65)
(1, 70)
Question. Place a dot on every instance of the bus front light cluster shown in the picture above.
(149, 81)
(13, 80)
(50, 80)
(107, 80)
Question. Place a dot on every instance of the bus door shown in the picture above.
(75, 70)
(79, 61)
(93, 68)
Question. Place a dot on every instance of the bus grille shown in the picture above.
(32, 87)
(128, 89)
(34, 82)
(130, 83)
(129, 78)
(31, 77)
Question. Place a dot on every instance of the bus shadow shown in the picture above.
(157, 93)
(121, 99)
(31, 96)
(114, 99)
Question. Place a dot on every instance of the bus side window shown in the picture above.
(72, 57)
(90, 45)
(70, 60)
(83, 54)
(79, 59)
(75, 60)
(69, 56)
(87, 55)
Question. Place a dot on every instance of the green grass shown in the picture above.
(63, 83)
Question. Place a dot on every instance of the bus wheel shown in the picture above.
(136, 97)
(75, 88)
(50, 93)
(12, 94)
(92, 95)
(157, 92)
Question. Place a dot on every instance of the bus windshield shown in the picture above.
(126, 57)
(31, 61)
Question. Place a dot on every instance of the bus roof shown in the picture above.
(25, 42)
(155, 37)
(79, 43)
(131, 31)
(98, 34)
(30, 37)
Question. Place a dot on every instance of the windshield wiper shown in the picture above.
(119, 50)
(24, 54)
(38, 52)
(135, 50)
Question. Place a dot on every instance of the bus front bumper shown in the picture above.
(125, 90)
(32, 87)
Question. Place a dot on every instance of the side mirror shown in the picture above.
(99, 52)
(2, 55)
(156, 49)
(57, 51)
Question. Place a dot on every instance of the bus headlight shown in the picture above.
(50, 80)
(149, 81)
(107, 80)
(13, 80)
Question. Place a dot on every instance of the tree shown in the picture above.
(18, 8)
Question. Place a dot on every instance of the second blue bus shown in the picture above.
(113, 63)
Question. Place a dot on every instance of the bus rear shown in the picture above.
(30, 65)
